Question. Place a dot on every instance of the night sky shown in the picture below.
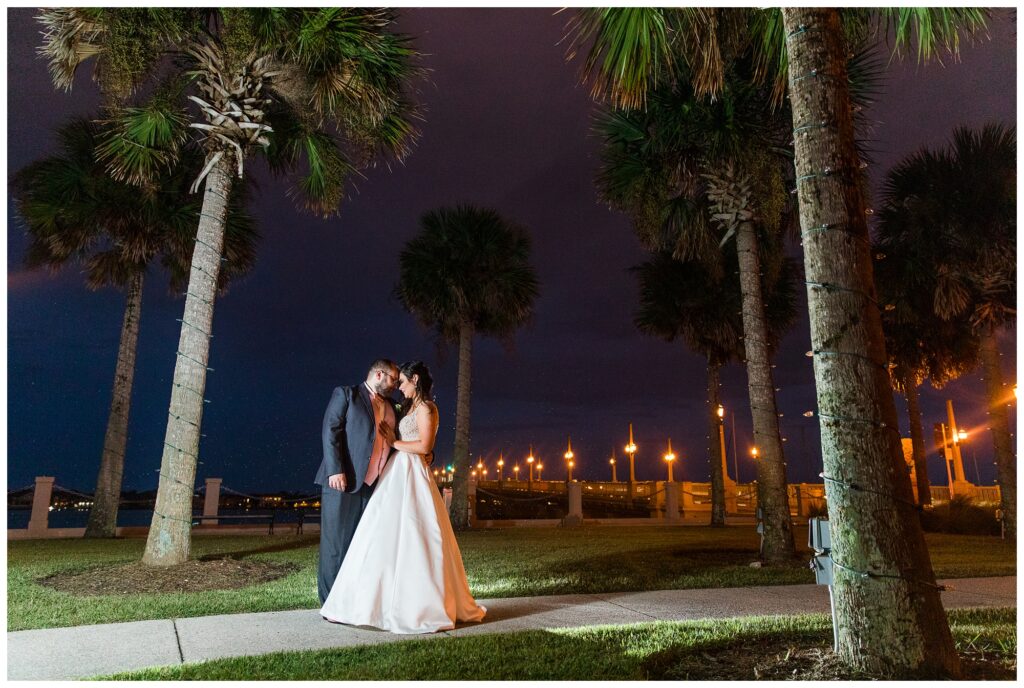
(507, 126)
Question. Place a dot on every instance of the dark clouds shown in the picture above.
(506, 126)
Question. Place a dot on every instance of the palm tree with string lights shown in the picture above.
(951, 213)
(467, 273)
(74, 212)
(802, 52)
(705, 180)
(323, 93)
(687, 301)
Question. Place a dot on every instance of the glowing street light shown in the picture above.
(753, 453)
(670, 458)
(571, 464)
(569, 456)
(631, 450)
(540, 467)
(529, 461)
(720, 412)
(611, 462)
(501, 465)
(515, 471)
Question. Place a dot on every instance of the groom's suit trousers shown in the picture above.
(339, 515)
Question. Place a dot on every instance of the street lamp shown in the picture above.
(529, 461)
(568, 457)
(540, 467)
(721, 442)
(753, 453)
(631, 450)
(571, 464)
(501, 464)
(962, 435)
(670, 458)
(611, 461)
(515, 472)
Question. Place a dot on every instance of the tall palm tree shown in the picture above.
(466, 273)
(954, 212)
(74, 211)
(698, 178)
(920, 344)
(687, 300)
(888, 611)
(322, 89)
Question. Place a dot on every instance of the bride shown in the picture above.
(403, 571)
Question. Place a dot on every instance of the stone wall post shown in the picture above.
(672, 502)
(212, 502)
(575, 515)
(40, 519)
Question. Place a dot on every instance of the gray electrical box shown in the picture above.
(822, 565)
(818, 537)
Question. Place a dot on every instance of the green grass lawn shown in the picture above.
(726, 649)
(500, 563)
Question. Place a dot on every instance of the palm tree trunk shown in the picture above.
(103, 514)
(924, 488)
(170, 534)
(1006, 462)
(773, 497)
(715, 447)
(460, 489)
(888, 613)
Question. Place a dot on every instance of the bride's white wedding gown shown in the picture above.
(403, 571)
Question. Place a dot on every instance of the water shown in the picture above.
(77, 518)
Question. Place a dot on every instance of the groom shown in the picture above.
(355, 453)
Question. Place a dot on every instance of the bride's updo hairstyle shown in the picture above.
(425, 383)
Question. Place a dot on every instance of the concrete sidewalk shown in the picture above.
(84, 651)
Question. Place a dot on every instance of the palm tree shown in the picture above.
(683, 167)
(888, 617)
(74, 211)
(468, 272)
(323, 88)
(687, 300)
(920, 344)
(954, 212)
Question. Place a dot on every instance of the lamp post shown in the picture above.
(529, 461)
(611, 461)
(480, 468)
(670, 458)
(515, 472)
(721, 443)
(962, 436)
(501, 465)
(568, 457)
(540, 467)
(571, 464)
(631, 450)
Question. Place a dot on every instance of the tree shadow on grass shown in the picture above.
(265, 549)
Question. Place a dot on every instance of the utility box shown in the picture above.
(822, 565)
(818, 537)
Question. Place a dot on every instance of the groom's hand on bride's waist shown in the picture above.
(336, 481)
(428, 458)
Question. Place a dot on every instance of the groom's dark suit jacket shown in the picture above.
(348, 433)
